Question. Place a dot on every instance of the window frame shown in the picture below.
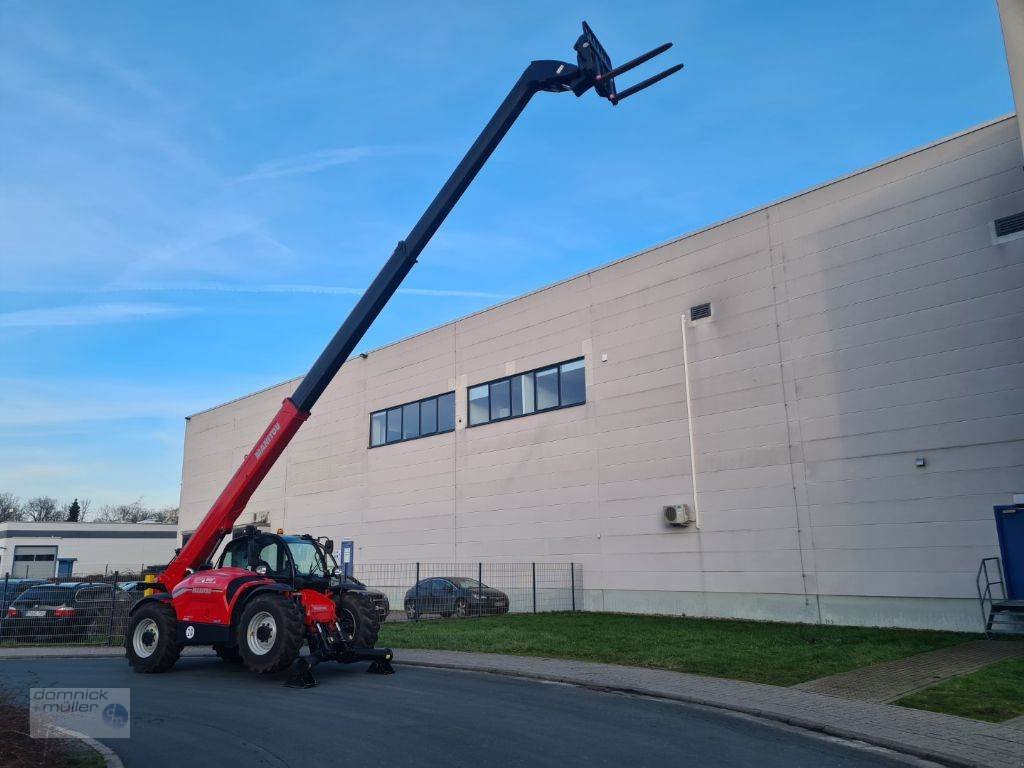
(401, 421)
(512, 415)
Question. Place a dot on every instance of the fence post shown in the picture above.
(7, 578)
(534, 571)
(114, 600)
(416, 606)
(572, 579)
(480, 585)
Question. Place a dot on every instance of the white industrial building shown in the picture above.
(49, 550)
(840, 424)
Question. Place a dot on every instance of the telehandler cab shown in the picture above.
(270, 594)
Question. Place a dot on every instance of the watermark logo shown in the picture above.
(103, 713)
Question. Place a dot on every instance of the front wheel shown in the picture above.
(151, 641)
(461, 609)
(270, 633)
(357, 617)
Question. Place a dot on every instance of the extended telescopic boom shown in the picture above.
(593, 69)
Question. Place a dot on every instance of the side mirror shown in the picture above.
(329, 545)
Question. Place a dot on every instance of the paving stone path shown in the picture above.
(892, 680)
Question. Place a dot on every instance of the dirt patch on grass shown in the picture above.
(18, 750)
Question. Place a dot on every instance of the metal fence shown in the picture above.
(415, 591)
(91, 607)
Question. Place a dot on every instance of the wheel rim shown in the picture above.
(261, 633)
(460, 608)
(145, 638)
(347, 623)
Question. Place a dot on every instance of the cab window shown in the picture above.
(236, 554)
(271, 551)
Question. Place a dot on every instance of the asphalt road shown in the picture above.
(208, 713)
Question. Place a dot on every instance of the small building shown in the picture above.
(46, 550)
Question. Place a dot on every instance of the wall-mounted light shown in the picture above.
(920, 462)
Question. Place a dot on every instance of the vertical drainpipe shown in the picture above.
(1011, 14)
(689, 427)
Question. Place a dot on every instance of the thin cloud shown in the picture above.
(89, 314)
(302, 288)
(310, 162)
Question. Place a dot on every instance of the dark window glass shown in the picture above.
(428, 416)
(479, 410)
(446, 412)
(547, 388)
(410, 421)
(522, 394)
(572, 382)
(499, 400)
(378, 428)
(394, 425)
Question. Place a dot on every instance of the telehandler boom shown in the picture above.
(270, 593)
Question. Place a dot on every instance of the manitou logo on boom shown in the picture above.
(268, 439)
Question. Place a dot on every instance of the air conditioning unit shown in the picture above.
(678, 515)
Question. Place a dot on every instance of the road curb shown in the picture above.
(108, 755)
(807, 724)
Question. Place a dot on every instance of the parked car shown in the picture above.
(454, 596)
(66, 612)
(11, 588)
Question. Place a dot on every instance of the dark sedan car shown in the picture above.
(454, 596)
(68, 612)
(11, 588)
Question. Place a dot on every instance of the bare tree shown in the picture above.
(43, 509)
(168, 515)
(84, 504)
(10, 508)
(133, 512)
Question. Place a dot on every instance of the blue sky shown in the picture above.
(192, 195)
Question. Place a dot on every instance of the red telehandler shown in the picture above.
(270, 593)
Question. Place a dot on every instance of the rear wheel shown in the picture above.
(461, 608)
(357, 616)
(270, 633)
(151, 641)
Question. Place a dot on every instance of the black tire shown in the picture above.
(228, 653)
(461, 608)
(357, 616)
(270, 633)
(152, 618)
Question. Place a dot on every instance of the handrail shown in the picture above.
(986, 595)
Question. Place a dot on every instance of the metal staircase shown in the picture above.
(1001, 615)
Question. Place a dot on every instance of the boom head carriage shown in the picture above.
(594, 69)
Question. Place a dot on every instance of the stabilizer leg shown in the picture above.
(302, 672)
(380, 667)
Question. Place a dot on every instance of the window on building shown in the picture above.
(500, 407)
(394, 425)
(430, 416)
(522, 394)
(572, 387)
(410, 421)
(556, 386)
(547, 388)
(378, 428)
(479, 405)
(446, 412)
